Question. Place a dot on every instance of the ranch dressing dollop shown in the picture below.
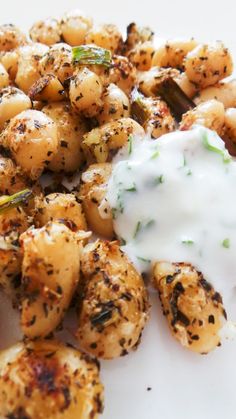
(174, 199)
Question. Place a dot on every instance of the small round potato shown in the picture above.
(46, 378)
(210, 114)
(141, 55)
(193, 309)
(50, 274)
(4, 77)
(230, 124)
(224, 92)
(13, 101)
(105, 36)
(11, 178)
(92, 193)
(86, 92)
(28, 65)
(71, 129)
(122, 73)
(47, 88)
(9, 60)
(11, 37)
(115, 306)
(12, 223)
(100, 144)
(115, 105)
(137, 35)
(74, 26)
(60, 206)
(32, 138)
(172, 53)
(58, 61)
(46, 31)
(207, 64)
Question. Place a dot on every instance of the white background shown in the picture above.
(183, 385)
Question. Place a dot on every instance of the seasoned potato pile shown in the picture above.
(72, 95)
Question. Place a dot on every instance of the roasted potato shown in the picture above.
(50, 273)
(114, 309)
(92, 194)
(194, 310)
(44, 378)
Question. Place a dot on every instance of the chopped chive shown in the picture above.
(12, 201)
(187, 241)
(130, 144)
(91, 55)
(131, 189)
(122, 241)
(137, 229)
(144, 259)
(158, 180)
(155, 155)
(149, 223)
(189, 172)
(226, 243)
(224, 153)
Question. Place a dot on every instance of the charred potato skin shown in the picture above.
(46, 376)
(194, 310)
(115, 305)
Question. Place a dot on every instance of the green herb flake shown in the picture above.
(189, 172)
(144, 259)
(226, 243)
(130, 144)
(137, 229)
(224, 153)
(16, 200)
(187, 241)
(158, 180)
(91, 55)
(155, 155)
(131, 189)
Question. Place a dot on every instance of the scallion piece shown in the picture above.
(224, 153)
(226, 243)
(139, 109)
(91, 55)
(175, 97)
(12, 201)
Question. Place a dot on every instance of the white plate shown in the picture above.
(160, 380)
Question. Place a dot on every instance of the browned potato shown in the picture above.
(59, 206)
(50, 269)
(46, 31)
(92, 193)
(210, 114)
(102, 143)
(74, 26)
(207, 64)
(137, 35)
(32, 138)
(47, 88)
(12, 102)
(58, 61)
(141, 55)
(11, 37)
(28, 65)
(105, 36)
(172, 53)
(122, 73)
(46, 378)
(115, 306)
(9, 60)
(153, 114)
(11, 178)
(71, 129)
(12, 223)
(194, 310)
(115, 105)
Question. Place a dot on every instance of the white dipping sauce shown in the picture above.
(174, 199)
